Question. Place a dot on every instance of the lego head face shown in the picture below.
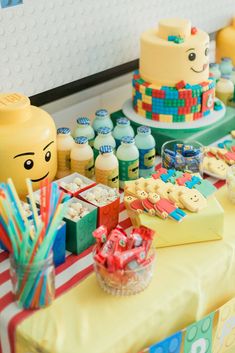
(193, 200)
(153, 197)
(166, 62)
(142, 195)
(113, 179)
(164, 190)
(90, 169)
(218, 167)
(133, 170)
(149, 158)
(27, 143)
(128, 200)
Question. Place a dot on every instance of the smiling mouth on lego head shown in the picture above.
(198, 72)
(36, 180)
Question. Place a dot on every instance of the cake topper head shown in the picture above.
(174, 52)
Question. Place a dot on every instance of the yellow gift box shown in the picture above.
(205, 225)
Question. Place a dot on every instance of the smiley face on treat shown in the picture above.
(128, 200)
(218, 167)
(192, 200)
(142, 195)
(164, 190)
(153, 197)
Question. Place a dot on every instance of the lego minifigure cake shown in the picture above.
(172, 83)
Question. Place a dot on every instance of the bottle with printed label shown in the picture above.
(102, 119)
(146, 145)
(106, 167)
(84, 128)
(82, 157)
(65, 143)
(128, 158)
(224, 90)
(123, 128)
(104, 138)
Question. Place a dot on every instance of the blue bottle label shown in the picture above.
(128, 170)
(147, 158)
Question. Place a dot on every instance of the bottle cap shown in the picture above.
(83, 121)
(128, 139)
(105, 149)
(226, 77)
(101, 113)
(213, 65)
(103, 130)
(144, 130)
(63, 130)
(226, 59)
(123, 121)
(81, 140)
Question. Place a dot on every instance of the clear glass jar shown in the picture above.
(172, 158)
(230, 181)
(33, 285)
(126, 282)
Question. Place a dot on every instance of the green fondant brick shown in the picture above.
(148, 91)
(148, 115)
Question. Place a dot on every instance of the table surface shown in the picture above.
(85, 319)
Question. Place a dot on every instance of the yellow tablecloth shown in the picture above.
(189, 282)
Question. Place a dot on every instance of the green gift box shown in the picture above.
(79, 233)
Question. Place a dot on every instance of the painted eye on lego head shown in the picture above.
(47, 156)
(206, 51)
(28, 164)
(192, 56)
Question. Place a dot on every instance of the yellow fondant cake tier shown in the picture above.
(205, 225)
(174, 52)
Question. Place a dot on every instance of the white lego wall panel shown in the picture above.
(47, 43)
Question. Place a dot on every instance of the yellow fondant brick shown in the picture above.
(188, 117)
(133, 91)
(165, 118)
(147, 99)
(142, 112)
(142, 89)
(139, 103)
(154, 86)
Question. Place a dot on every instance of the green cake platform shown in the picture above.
(206, 135)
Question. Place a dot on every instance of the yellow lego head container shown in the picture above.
(225, 43)
(27, 142)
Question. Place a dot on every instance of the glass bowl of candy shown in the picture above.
(124, 272)
(186, 156)
(230, 181)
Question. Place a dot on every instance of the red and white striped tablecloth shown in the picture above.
(69, 274)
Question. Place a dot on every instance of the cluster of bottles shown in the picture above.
(113, 154)
(224, 75)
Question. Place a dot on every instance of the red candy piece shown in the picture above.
(100, 234)
(194, 30)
